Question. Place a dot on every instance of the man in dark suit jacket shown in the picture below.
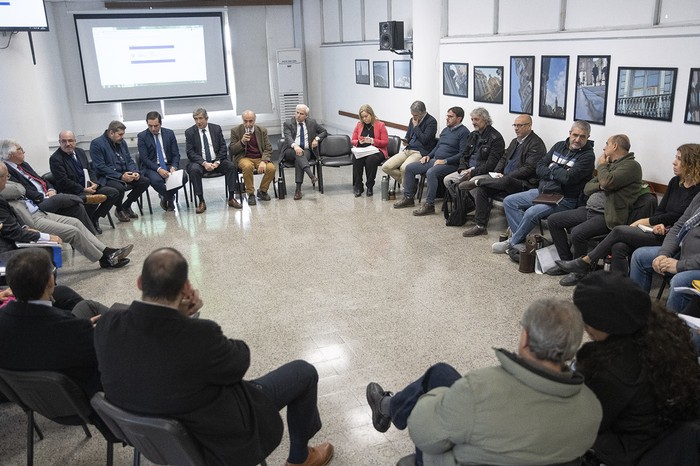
(199, 376)
(206, 149)
(517, 169)
(159, 157)
(115, 168)
(34, 335)
(301, 137)
(38, 190)
(67, 165)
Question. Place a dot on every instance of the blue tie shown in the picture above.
(207, 152)
(159, 150)
(301, 135)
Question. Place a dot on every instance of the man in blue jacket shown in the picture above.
(115, 168)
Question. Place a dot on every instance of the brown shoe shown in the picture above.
(95, 198)
(318, 456)
(122, 216)
(405, 202)
(314, 179)
(201, 207)
(234, 203)
(425, 209)
(297, 194)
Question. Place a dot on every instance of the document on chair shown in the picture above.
(686, 290)
(174, 181)
(360, 152)
(37, 243)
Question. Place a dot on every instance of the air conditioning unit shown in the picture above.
(290, 82)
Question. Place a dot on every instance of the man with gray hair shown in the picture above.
(301, 136)
(419, 141)
(486, 416)
(251, 151)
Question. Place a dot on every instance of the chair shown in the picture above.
(137, 161)
(54, 396)
(241, 183)
(160, 440)
(335, 151)
(313, 162)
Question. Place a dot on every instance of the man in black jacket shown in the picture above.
(516, 173)
(199, 376)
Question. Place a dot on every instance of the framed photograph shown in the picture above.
(591, 88)
(646, 92)
(362, 72)
(488, 84)
(455, 79)
(692, 106)
(380, 70)
(402, 74)
(522, 80)
(554, 79)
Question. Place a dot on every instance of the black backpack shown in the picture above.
(461, 206)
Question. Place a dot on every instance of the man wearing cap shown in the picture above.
(486, 416)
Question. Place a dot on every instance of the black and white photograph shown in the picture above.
(455, 79)
(692, 106)
(488, 84)
(402, 74)
(646, 92)
(554, 79)
(592, 74)
(380, 71)
(362, 72)
(522, 73)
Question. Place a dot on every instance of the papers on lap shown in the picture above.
(174, 181)
(360, 152)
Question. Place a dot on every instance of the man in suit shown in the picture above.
(115, 168)
(68, 165)
(301, 136)
(251, 150)
(200, 373)
(159, 157)
(206, 149)
(20, 225)
(35, 335)
(515, 173)
(39, 190)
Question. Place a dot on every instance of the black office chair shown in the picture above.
(209, 175)
(313, 162)
(56, 397)
(160, 440)
(335, 150)
(139, 202)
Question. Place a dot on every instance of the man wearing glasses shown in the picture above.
(515, 173)
(565, 170)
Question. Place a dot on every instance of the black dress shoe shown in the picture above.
(375, 395)
(370, 191)
(117, 265)
(571, 279)
(357, 192)
(164, 204)
(122, 216)
(96, 224)
(130, 212)
(576, 265)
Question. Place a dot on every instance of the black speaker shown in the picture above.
(391, 35)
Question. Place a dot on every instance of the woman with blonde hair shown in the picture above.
(624, 239)
(368, 132)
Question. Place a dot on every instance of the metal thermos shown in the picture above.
(607, 263)
(385, 188)
(281, 188)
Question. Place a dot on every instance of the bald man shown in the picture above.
(251, 151)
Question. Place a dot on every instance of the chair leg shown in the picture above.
(421, 182)
(284, 180)
(30, 438)
(665, 282)
(110, 453)
(87, 431)
(320, 176)
(111, 222)
(137, 457)
(187, 199)
(150, 207)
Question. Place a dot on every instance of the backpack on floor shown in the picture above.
(461, 206)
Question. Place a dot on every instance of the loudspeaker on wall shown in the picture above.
(391, 35)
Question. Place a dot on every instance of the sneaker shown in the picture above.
(501, 247)
(405, 202)
(425, 209)
(251, 199)
(476, 230)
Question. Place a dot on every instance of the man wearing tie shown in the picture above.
(38, 190)
(160, 157)
(301, 136)
(115, 168)
(69, 165)
(206, 149)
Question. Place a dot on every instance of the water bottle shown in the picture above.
(607, 263)
(385, 188)
(281, 188)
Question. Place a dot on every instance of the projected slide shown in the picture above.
(131, 57)
(152, 56)
(23, 15)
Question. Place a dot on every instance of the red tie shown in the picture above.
(35, 178)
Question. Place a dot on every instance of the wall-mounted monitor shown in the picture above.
(23, 15)
(152, 56)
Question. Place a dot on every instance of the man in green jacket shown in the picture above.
(531, 409)
(611, 195)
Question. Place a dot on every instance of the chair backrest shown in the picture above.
(394, 146)
(160, 440)
(49, 178)
(336, 145)
(51, 394)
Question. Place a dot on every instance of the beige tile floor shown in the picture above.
(363, 291)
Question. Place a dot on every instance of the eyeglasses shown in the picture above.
(520, 125)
